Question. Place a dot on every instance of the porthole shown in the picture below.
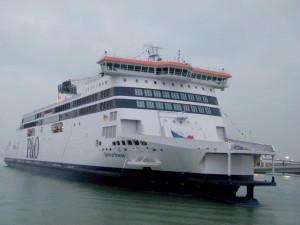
(124, 79)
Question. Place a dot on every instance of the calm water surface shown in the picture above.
(27, 198)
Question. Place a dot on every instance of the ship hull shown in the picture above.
(213, 186)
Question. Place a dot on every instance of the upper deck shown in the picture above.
(165, 69)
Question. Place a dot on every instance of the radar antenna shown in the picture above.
(153, 52)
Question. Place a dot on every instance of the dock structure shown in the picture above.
(281, 166)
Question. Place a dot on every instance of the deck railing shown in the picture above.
(243, 145)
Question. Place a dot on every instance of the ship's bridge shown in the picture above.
(165, 69)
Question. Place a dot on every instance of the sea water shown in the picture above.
(28, 198)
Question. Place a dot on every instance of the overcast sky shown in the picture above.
(43, 43)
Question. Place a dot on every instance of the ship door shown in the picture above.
(221, 133)
(131, 126)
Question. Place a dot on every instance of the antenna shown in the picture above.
(178, 56)
(153, 52)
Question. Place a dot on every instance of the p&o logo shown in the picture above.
(33, 147)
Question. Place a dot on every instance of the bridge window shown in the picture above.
(184, 73)
(117, 65)
(151, 70)
(172, 70)
(165, 70)
(137, 68)
(158, 71)
(145, 69)
(131, 67)
(124, 66)
(178, 72)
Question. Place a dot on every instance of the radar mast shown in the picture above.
(153, 52)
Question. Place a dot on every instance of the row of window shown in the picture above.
(124, 91)
(164, 94)
(126, 103)
(129, 142)
(164, 71)
(172, 95)
(173, 107)
(109, 131)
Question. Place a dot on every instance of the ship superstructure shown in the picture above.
(155, 120)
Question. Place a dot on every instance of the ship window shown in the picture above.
(157, 93)
(136, 80)
(150, 105)
(203, 77)
(123, 143)
(143, 143)
(123, 66)
(117, 65)
(113, 143)
(136, 142)
(205, 99)
(118, 142)
(173, 84)
(159, 105)
(177, 107)
(198, 75)
(165, 70)
(30, 132)
(191, 97)
(148, 93)
(144, 69)
(165, 94)
(207, 110)
(168, 106)
(172, 70)
(57, 127)
(154, 82)
(201, 109)
(173, 94)
(129, 142)
(194, 109)
(186, 108)
(183, 96)
(158, 71)
(209, 78)
(140, 104)
(178, 72)
(184, 73)
(181, 85)
(151, 70)
(109, 66)
(130, 67)
(124, 79)
(138, 92)
(137, 68)
(198, 98)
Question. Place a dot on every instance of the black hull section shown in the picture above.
(218, 187)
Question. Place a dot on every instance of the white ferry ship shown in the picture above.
(151, 122)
